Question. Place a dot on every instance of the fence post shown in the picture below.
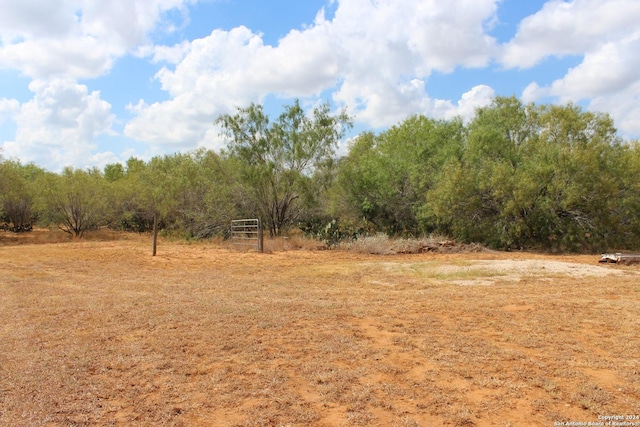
(155, 234)
(260, 238)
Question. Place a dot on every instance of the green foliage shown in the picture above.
(385, 177)
(277, 160)
(192, 193)
(535, 176)
(129, 197)
(75, 201)
(200, 191)
(516, 176)
(114, 172)
(17, 195)
(332, 232)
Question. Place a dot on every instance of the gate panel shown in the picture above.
(247, 232)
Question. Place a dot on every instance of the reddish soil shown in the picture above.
(101, 333)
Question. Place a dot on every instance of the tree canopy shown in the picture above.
(550, 177)
(278, 159)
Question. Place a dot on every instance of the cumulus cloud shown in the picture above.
(532, 93)
(624, 107)
(82, 57)
(169, 54)
(478, 96)
(608, 79)
(74, 38)
(373, 56)
(59, 125)
(608, 69)
(570, 28)
(7, 108)
(55, 43)
(605, 35)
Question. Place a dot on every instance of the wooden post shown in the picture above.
(155, 233)
(260, 239)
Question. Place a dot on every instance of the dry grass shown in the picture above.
(381, 244)
(101, 333)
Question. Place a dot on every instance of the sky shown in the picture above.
(85, 83)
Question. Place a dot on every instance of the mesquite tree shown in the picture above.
(278, 159)
(17, 194)
(75, 200)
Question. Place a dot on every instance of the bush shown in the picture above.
(332, 232)
(381, 244)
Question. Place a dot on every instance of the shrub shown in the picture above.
(381, 244)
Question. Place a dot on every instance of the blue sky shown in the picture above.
(85, 83)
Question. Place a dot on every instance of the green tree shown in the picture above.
(492, 165)
(586, 186)
(385, 177)
(128, 196)
(544, 176)
(143, 194)
(75, 200)
(214, 203)
(114, 172)
(626, 205)
(278, 159)
(202, 184)
(17, 194)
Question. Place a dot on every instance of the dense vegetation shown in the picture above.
(516, 176)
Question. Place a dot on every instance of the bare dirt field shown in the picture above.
(101, 333)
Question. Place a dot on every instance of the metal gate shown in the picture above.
(247, 232)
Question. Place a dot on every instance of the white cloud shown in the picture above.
(59, 125)
(169, 54)
(479, 96)
(624, 107)
(179, 124)
(532, 93)
(389, 50)
(100, 160)
(570, 28)
(74, 38)
(228, 69)
(56, 42)
(82, 57)
(374, 56)
(414, 36)
(607, 38)
(8, 107)
(24, 19)
(608, 69)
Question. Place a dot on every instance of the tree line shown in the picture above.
(516, 176)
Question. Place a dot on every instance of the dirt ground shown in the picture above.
(101, 333)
